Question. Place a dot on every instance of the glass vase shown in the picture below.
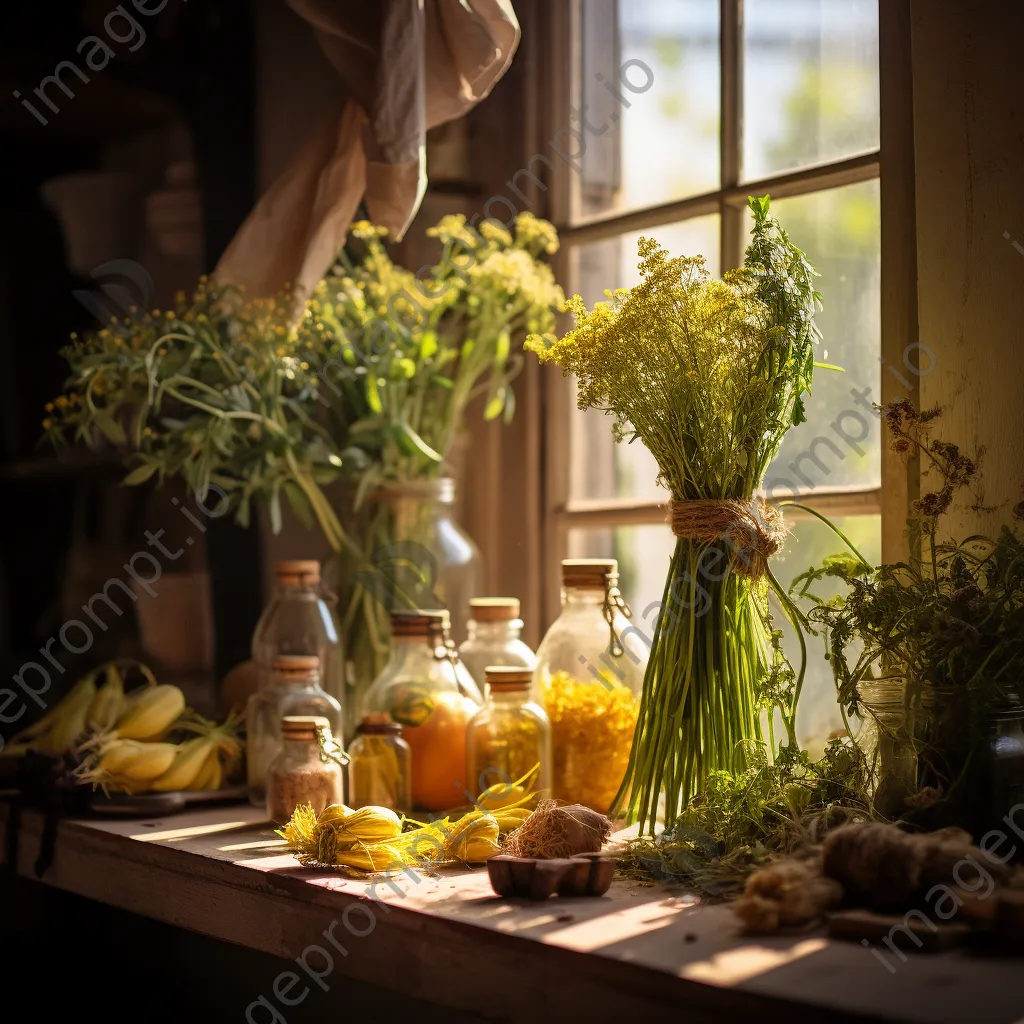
(889, 738)
(414, 555)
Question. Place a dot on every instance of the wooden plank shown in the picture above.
(444, 937)
(627, 512)
(900, 476)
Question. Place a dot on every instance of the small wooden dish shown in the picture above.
(531, 878)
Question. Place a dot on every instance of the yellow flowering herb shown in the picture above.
(709, 375)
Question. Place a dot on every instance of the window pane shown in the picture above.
(644, 553)
(808, 543)
(810, 82)
(600, 468)
(660, 140)
(839, 446)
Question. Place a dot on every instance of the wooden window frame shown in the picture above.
(892, 164)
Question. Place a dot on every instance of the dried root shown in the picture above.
(787, 892)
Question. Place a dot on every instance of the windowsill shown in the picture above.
(446, 938)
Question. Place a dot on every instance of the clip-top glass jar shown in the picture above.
(294, 689)
(510, 735)
(301, 772)
(590, 670)
(300, 620)
(427, 690)
(380, 766)
(494, 627)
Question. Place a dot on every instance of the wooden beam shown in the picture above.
(808, 179)
(900, 477)
(731, 134)
(596, 514)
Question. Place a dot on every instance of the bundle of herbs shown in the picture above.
(709, 375)
(946, 625)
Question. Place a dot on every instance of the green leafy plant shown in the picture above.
(217, 391)
(401, 356)
(949, 621)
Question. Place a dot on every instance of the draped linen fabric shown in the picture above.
(403, 66)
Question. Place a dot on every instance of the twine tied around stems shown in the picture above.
(753, 529)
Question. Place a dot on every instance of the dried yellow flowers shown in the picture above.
(591, 732)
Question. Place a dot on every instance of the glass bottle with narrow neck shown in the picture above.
(494, 628)
(425, 688)
(590, 669)
(294, 689)
(299, 619)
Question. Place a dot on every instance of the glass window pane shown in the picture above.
(809, 542)
(644, 553)
(810, 82)
(600, 468)
(650, 104)
(839, 447)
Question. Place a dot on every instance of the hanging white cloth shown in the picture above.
(404, 66)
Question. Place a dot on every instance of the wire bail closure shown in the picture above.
(614, 602)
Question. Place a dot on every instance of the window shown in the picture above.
(684, 108)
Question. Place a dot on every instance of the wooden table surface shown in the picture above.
(447, 938)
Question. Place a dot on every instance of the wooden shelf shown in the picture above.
(446, 938)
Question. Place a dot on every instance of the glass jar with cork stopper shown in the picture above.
(306, 770)
(427, 690)
(380, 766)
(494, 626)
(294, 689)
(590, 671)
(510, 736)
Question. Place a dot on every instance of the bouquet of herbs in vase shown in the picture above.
(931, 650)
(709, 375)
(401, 357)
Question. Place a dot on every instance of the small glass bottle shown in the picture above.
(380, 766)
(294, 689)
(494, 627)
(427, 690)
(510, 735)
(590, 670)
(300, 620)
(300, 772)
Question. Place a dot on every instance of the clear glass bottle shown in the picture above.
(494, 627)
(300, 620)
(510, 735)
(380, 766)
(425, 688)
(294, 689)
(590, 670)
(301, 773)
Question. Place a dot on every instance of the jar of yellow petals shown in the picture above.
(590, 670)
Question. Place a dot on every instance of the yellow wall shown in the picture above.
(968, 72)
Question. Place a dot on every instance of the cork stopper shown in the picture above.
(303, 727)
(508, 678)
(303, 571)
(420, 623)
(588, 573)
(296, 666)
(378, 724)
(494, 609)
